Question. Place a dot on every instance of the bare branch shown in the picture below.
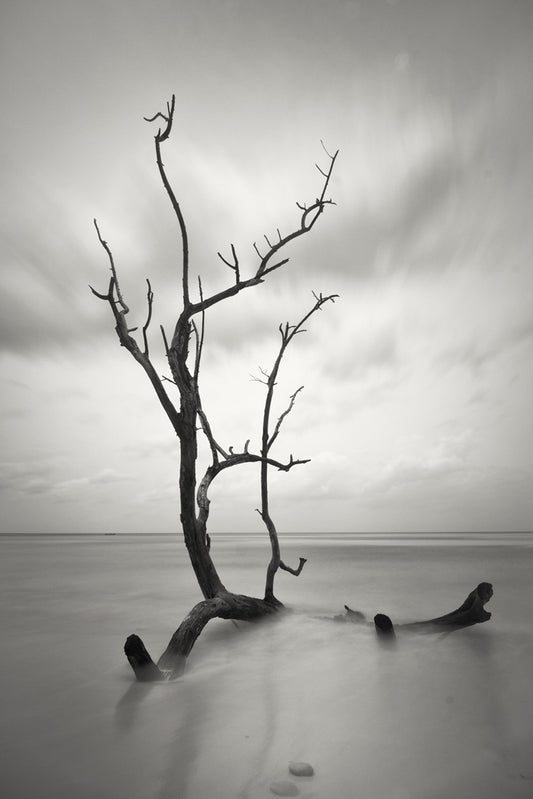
(119, 310)
(214, 446)
(169, 118)
(194, 329)
(325, 149)
(296, 571)
(234, 265)
(109, 295)
(155, 116)
(160, 137)
(231, 266)
(286, 467)
(165, 342)
(276, 266)
(150, 299)
(287, 332)
(232, 458)
(206, 427)
(260, 380)
(224, 295)
(199, 338)
(282, 417)
(308, 219)
(106, 247)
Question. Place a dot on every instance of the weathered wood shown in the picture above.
(472, 611)
(383, 625)
(171, 664)
(140, 661)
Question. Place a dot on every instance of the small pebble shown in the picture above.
(284, 788)
(301, 769)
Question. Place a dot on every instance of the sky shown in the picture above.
(416, 408)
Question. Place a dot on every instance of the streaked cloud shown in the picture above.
(41, 478)
(445, 460)
(416, 380)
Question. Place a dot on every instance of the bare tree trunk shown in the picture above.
(196, 540)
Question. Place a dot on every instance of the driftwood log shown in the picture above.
(171, 664)
(226, 605)
(472, 611)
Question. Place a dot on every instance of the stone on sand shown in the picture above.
(300, 769)
(284, 788)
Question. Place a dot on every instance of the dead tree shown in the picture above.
(184, 355)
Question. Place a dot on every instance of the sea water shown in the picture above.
(434, 716)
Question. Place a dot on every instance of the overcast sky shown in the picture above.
(416, 411)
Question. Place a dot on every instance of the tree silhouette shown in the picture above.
(184, 354)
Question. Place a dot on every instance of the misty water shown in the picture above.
(433, 716)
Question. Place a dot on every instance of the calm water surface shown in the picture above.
(440, 716)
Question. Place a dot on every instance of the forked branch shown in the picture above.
(234, 265)
(308, 219)
(287, 332)
(116, 284)
(120, 309)
(161, 136)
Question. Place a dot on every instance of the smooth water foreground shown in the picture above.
(433, 716)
